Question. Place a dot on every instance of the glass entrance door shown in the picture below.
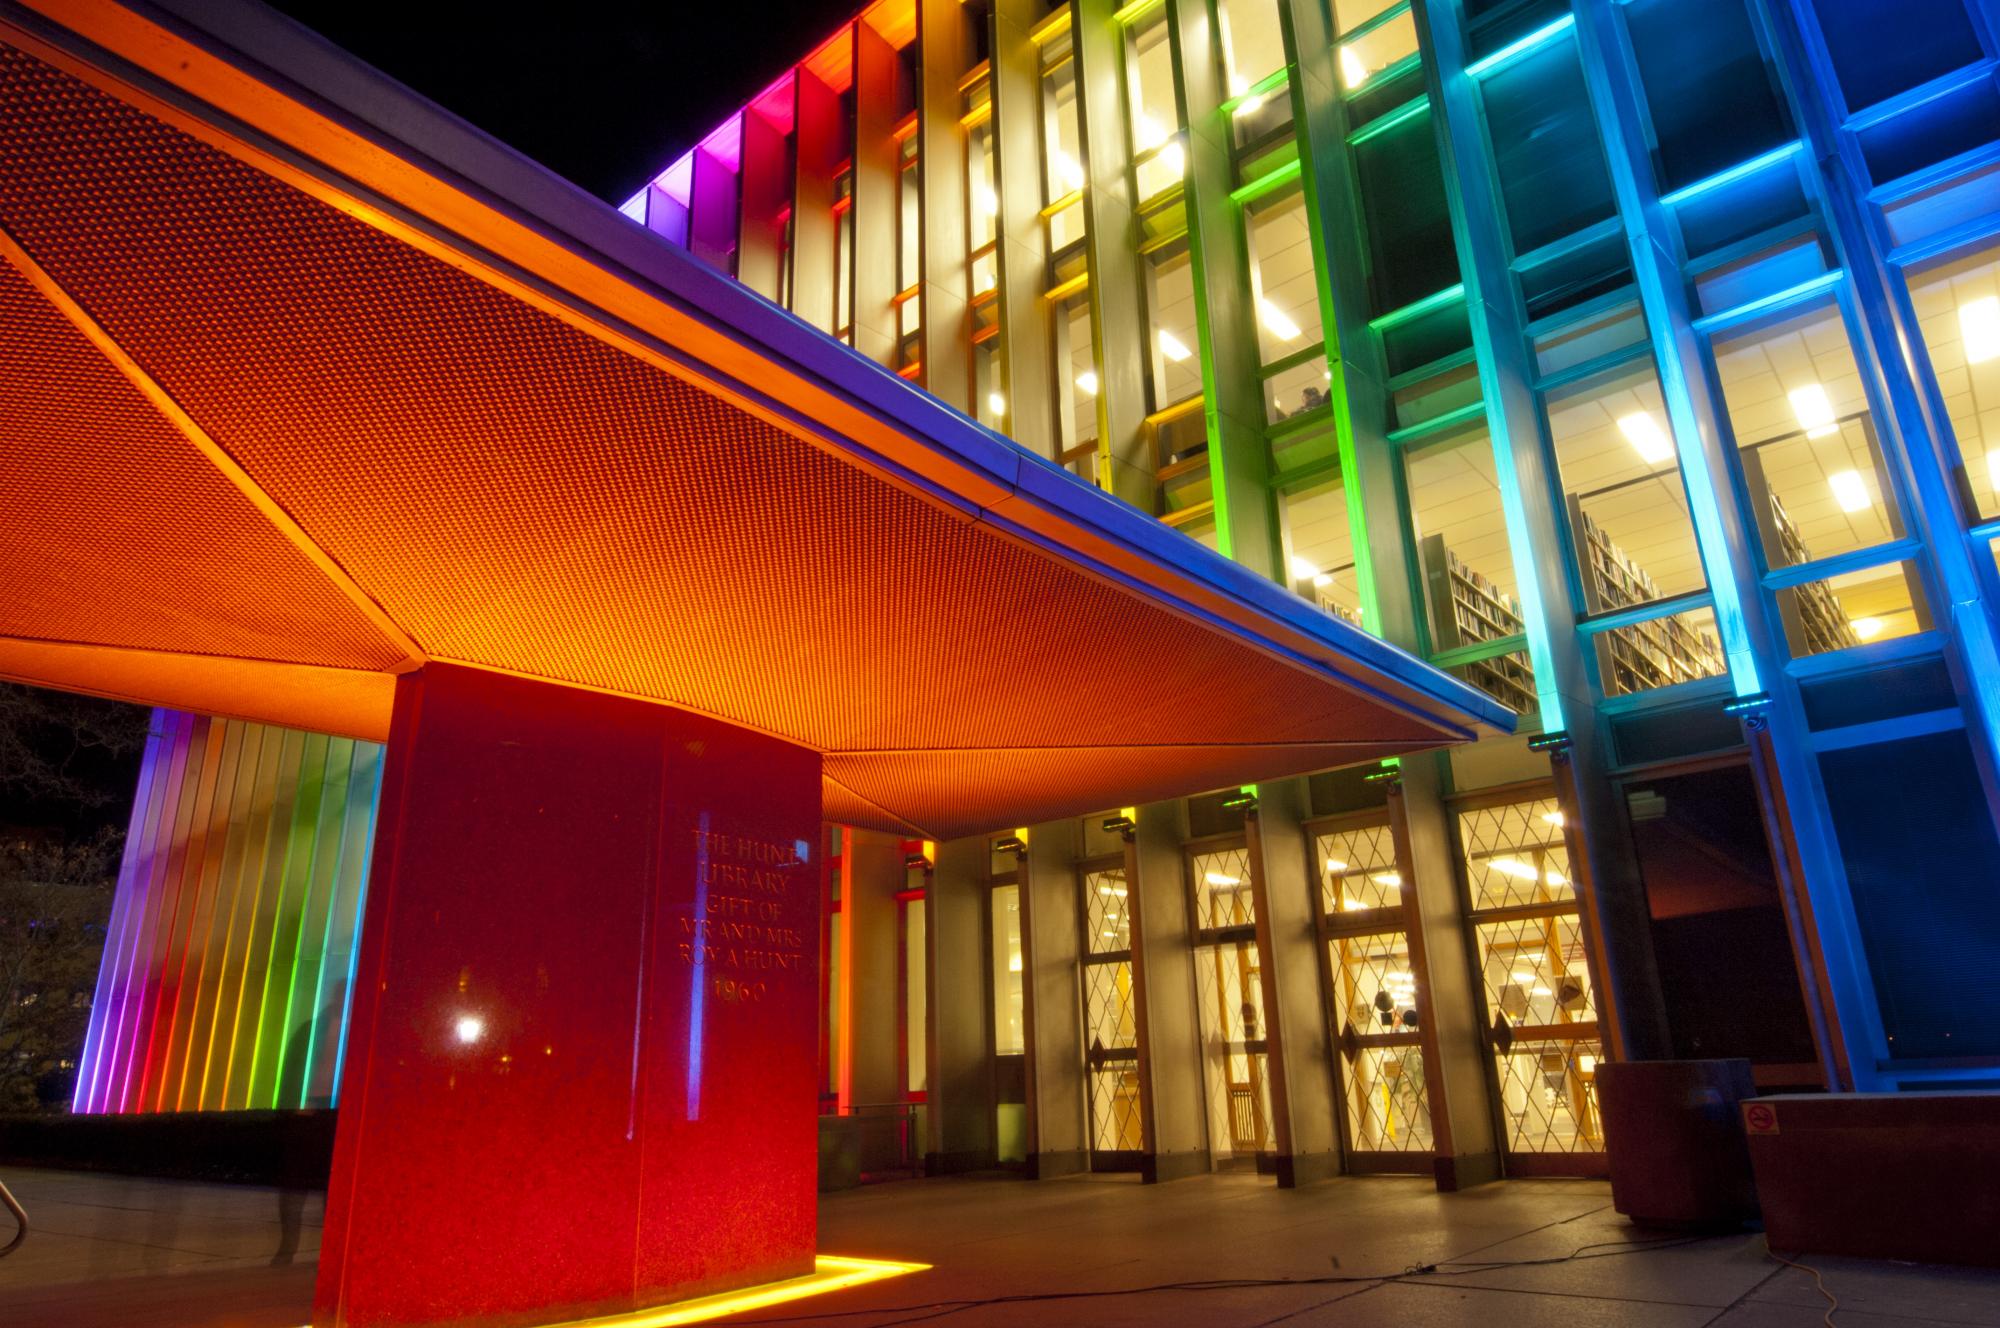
(1535, 976)
(1110, 1024)
(1373, 996)
(1229, 994)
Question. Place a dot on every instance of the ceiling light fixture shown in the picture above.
(1277, 322)
(1979, 324)
(1814, 409)
(1849, 490)
(1647, 437)
(1352, 72)
(1173, 347)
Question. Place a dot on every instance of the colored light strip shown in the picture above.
(229, 955)
(830, 1272)
(1742, 170)
(1514, 50)
(1265, 183)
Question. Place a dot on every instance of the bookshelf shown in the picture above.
(1814, 621)
(1645, 655)
(1466, 609)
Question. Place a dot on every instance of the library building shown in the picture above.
(1225, 585)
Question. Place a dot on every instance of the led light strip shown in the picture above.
(831, 1272)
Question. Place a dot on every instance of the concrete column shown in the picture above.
(547, 1004)
(766, 189)
(1023, 250)
(1169, 1025)
(1304, 1107)
(1058, 1117)
(947, 334)
(1239, 460)
(871, 874)
(1111, 230)
(877, 186)
(960, 1115)
(712, 215)
(1467, 1151)
(823, 144)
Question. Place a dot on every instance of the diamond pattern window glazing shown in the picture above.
(1357, 869)
(1515, 854)
(1375, 1015)
(1108, 1008)
(1548, 1094)
(1115, 1125)
(1388, 1110)
(1534, 975)
(1222, 889)
(1107, 921)
(1230, 993)
(1535, 970)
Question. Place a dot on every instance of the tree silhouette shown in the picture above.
(68, 765)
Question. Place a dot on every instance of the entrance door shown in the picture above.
(1535, 976)
(1110, 1023)
(1373, 995)
(1229, 991)
(1724, 952)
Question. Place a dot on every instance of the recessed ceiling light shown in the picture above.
(1867, 629)
(1352, 72)
(996, 403)
(1173, 347)
(1277, 322)
(1814, 409)
(1087, 381)
(1303, 569)
(1979, 324)
(1849, 490)
(1647, 437)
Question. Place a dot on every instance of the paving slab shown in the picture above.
(122, 1252)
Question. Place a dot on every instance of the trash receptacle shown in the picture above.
(1673, 1135)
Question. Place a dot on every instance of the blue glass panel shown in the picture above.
(1923, 866)
(1706, 85)
(1546, 149)
(1882, 49)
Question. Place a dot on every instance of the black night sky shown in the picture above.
(602, 93)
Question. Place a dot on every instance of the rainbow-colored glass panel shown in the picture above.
(230, 952)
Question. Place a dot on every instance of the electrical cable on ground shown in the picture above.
(1832, 1301)
(1411, 1273)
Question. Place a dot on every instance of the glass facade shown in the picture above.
(1636, 363)
(1541, 340)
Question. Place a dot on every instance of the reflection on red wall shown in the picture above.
(580, 1071)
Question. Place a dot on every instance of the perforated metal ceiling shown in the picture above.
(514, 491)
(117, 532)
